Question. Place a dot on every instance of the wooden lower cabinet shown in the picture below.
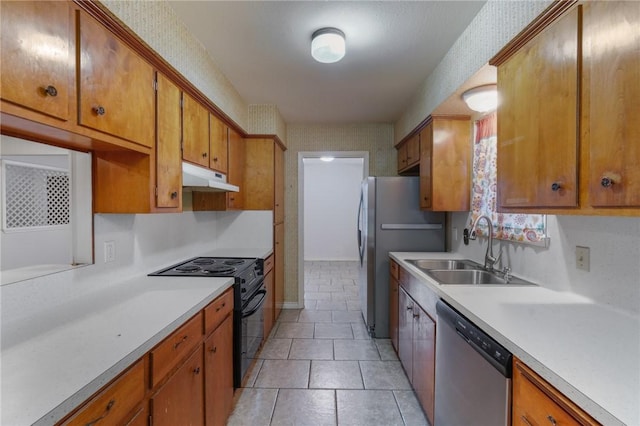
(417, 350)
(393, 311)
(424, 360)
(405, 331)
(218, 386)
(113, 405)
(180, 401)
(536, 402)
(269, 305)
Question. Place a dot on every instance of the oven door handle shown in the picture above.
(262, 292)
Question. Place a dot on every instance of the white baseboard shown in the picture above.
(291, 305)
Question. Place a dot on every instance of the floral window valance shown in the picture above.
(523, 228)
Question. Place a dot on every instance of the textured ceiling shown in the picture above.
(263, 47)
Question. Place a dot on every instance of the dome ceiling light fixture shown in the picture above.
(482, 98)
(328, 45)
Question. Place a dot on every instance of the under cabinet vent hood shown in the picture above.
(197, 178)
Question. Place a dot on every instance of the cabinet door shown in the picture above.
(402, 157)
(259, 174)
(424, 357)
(218, 388)
(426, 143)
(116, 93)
(218, 137)
(269, 305)
(611, 96)
(237, 152)
(405, 332)
(537, 120)
(168, 158)
(451, 164)
(278, 233)
(393, 311)
(413, 150)
(278, 214)
(195, 131)
(180, 401)
(37, 55)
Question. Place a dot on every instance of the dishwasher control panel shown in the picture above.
(485, 345)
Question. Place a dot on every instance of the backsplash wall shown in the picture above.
(143, 244)
(614, 242)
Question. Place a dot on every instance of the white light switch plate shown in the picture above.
(582, 258)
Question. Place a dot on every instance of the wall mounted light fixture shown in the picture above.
(482, 98)
(328, 45)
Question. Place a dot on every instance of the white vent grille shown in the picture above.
(35, 196)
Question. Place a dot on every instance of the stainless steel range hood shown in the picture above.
(196, 178)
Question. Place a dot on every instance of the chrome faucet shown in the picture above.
(489, 259)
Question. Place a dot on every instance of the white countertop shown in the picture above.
(55, 360)
(590, 352)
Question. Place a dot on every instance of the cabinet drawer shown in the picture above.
(536, 402)
(174, 348)
(268, 264)
(217, 310)
(404, 277)
(393, 267)
(112, 404)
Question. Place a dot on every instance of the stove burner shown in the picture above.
(220, 269)
(188, 268)
(204, 261)
(234, 262)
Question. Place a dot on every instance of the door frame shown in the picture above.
(317, 154)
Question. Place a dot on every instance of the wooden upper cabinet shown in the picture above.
(611, 101)
(537, 119)
(445, 164)
(259, 174)
(168, 156)
(218, 138)
(37, 56)
(195, 131)
(237, 155)
(278, 212)
(409, 155)
(426, 136)
(115, 90)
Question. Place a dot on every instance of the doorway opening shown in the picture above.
(328, 194)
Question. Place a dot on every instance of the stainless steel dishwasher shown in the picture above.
(473, 374)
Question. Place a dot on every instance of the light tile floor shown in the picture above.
(320, 367)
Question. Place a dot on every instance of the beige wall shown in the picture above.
(266, 120)
(374, 138)
(494, 26)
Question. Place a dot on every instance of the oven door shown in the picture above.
(252, 327)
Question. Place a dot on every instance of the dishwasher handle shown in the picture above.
(493, 352)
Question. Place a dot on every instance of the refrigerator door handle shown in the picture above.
(412, 226)
(360, 248)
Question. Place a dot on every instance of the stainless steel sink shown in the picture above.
(474, 277)
(449, 264)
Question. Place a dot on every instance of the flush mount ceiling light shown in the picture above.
(327, 45)
(482, 98)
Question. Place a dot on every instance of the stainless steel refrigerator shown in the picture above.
(390, 219)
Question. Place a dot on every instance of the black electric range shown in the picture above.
(249, 296)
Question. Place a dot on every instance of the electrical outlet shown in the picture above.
(454, 231)
(582, 258)
(109, 251)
